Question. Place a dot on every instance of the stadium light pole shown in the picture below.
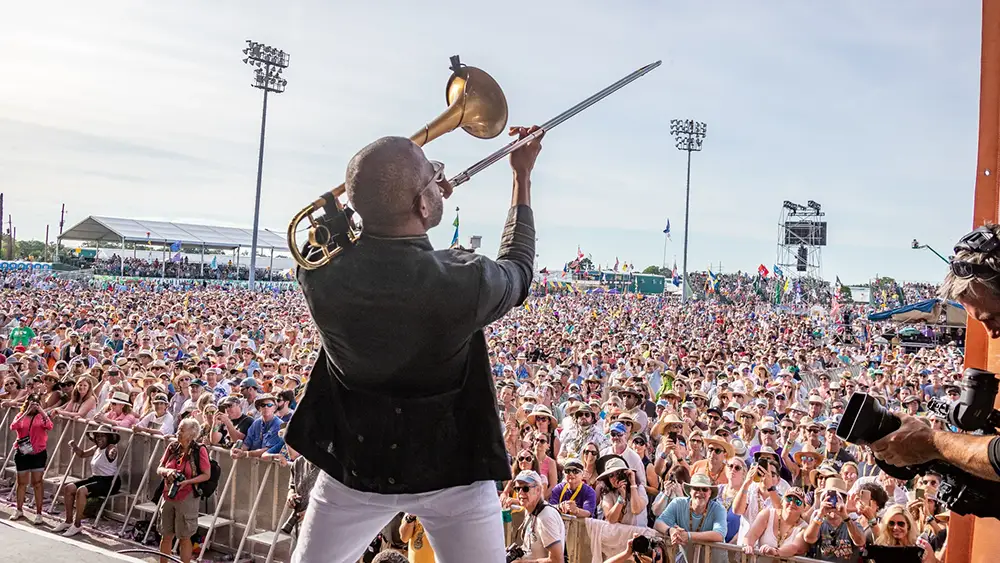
(689, 136)
(268, 62)
(917, 246)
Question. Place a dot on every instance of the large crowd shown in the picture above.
(711, 422)
(183, 268)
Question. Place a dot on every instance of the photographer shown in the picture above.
(643, 549)
(543, 531)
(974, 281)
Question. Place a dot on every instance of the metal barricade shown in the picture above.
(244, 513)
(579, 547)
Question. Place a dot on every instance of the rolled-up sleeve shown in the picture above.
(506, 281)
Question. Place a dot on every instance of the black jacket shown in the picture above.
(401, 399)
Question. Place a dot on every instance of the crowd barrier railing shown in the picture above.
(581, 533)
(243, 517)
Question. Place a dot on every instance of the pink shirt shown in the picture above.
(125, 420)
(35, 426)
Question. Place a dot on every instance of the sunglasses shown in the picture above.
(541, 440)
(795, 500)
(589, 452)
(699, 490)
(893, 524)
(616, 434)
(736, 467)
(525, 458)
(573, 471)
(521, 488)
(714, 417)
(717, 450)
(267, 405)
(767, 431)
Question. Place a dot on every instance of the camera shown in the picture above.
(514, 552)
(644, 545)
(865, 421)
(293, 519)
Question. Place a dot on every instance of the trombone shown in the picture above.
(476, 104)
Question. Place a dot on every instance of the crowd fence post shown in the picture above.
(277, 532)
(253, 512)
(142, 483)
(207, 542)
(69, 468)
(118, 471)
(154, 517)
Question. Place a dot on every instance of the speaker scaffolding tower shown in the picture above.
(801, 238)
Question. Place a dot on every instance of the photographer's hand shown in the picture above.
(912, 444)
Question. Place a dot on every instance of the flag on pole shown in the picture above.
(215, 265)
(714, 281)
(762, 270)
(175, 247)
(454, 237)
(616, 264)
(579, 253)
(778, 272)
(675, 277)
(176, 257)
(666, 231)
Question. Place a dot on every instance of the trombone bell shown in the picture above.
(476, 103)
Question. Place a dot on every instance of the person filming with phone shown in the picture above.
(32, 426)
(973, 280)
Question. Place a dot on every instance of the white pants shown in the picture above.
(463, 523)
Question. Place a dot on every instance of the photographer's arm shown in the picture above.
(916, 443)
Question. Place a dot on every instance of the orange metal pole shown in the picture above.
(964, 543)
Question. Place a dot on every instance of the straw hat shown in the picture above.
(747, 412)
(701, 480)
(824, 470)
(836, 484)
(809, 450)
(719, 443)
(612, 464)
(120, 398)
(541, 410)
(665, 422)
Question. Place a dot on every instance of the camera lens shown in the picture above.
(640, 545)
(865, 420)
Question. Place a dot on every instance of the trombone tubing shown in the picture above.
(468, 173)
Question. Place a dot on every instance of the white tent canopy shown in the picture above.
(113, 229)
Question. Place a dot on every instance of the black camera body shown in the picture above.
(865, 421)
(293, 519)
(514, 552)
(644, 545)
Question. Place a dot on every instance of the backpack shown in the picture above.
(203, 490)
(207, 488)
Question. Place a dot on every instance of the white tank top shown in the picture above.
(101, 466)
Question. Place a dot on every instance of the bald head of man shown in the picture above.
(391, 184)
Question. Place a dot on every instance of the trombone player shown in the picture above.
(400, 412)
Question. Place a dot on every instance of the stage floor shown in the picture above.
(21, 543)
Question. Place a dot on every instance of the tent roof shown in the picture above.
(928, 310)
(114, 229)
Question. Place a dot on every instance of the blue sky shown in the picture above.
(144, 109)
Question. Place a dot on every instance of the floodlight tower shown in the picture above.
(689, 136)
(268, 62)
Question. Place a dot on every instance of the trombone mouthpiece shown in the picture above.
(456, 63)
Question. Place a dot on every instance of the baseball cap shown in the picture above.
(618, 427)
(529, 477)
